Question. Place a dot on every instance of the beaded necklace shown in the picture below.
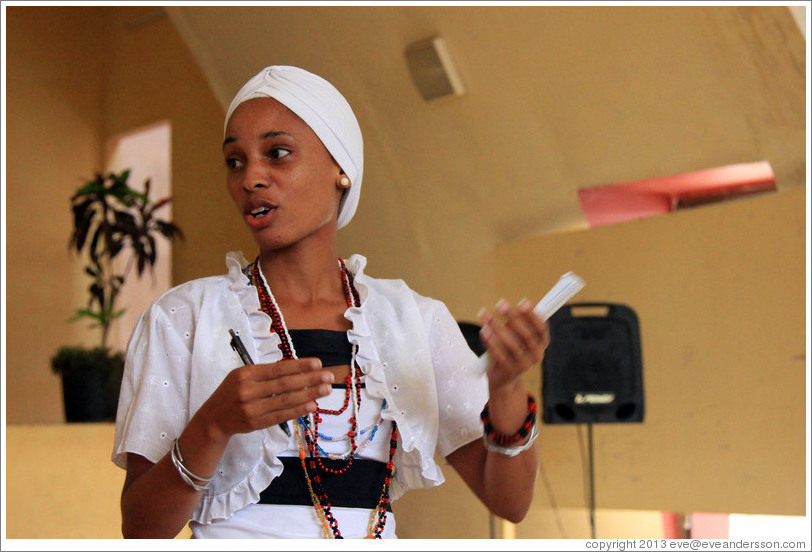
(307, 434)
(371, 430)
(268, 304)
(321, 502)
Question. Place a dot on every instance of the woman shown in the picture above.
(358, 382)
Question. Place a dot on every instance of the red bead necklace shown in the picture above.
(268, 304)
(313, 479)
(312, 436)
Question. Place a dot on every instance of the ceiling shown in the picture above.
(557, 98)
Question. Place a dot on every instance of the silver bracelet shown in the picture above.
(190, 478)
(512, 451)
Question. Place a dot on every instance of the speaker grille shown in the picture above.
(592, 370)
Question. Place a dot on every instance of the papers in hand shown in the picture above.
(565, 289)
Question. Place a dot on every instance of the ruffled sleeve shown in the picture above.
(249, 462)
(179, 354)
(415, 357)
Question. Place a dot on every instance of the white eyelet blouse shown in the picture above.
(410, 350)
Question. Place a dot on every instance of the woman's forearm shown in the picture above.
(509, 483)
(509, 480)
(504, 484)
(156, 502)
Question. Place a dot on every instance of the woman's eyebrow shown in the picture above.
(273, 134)
(263, 136)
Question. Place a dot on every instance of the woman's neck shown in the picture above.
(307, 285)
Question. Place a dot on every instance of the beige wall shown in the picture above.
(719, 291)
(77, 77)
(54, 134)
(79, 497)
(50, 468)
(61, 483)
(153, 77)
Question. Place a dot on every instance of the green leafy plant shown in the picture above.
(109, 218)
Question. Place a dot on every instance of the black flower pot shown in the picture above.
(91, 381)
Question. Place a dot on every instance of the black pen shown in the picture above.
(236, 344)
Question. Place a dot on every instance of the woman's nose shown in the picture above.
(255, 178)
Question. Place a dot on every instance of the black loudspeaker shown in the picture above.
(592, 371)
(471, 333)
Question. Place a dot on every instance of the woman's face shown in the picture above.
(281, 177)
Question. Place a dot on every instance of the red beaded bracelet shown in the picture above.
(500, 438)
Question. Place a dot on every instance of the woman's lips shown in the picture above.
(259, 215)
(259, 212)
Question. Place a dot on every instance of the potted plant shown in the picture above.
(109, 218)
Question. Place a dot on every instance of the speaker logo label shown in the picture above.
(594, 398)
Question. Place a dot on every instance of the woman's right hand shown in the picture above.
(258, 396)
(155, 501)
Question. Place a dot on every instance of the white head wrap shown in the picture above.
(325, 111)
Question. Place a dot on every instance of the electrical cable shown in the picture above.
(591, 482)
(587, 465)
(553, 504)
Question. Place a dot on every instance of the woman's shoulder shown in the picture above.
(391, 287)
(394, 291)
(197, 290)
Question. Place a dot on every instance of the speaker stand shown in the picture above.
(591, 480)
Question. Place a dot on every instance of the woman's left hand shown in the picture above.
(516, 339)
